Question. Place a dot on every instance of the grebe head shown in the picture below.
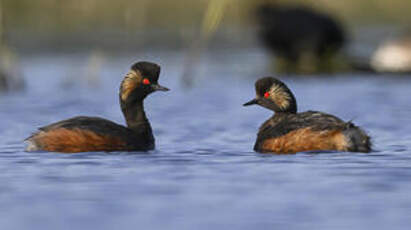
(274, 95)
(140, 81)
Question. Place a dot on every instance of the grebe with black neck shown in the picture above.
(289, 132)
(88, 134)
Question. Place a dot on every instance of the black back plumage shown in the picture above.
(142, 139)
(95, 124)
(283, 123)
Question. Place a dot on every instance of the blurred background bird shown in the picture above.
(303, 40)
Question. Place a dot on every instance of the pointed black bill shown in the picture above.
(157, 87)
(252, 102)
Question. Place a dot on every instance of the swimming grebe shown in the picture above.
(86, 134)
(290, 132)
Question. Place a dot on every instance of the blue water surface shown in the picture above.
(203, 173)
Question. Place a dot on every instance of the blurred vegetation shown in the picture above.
(37, 20)
(74, 15)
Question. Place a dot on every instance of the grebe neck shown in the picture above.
(135, 115)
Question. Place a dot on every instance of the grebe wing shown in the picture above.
(96, 124)
(318, 121)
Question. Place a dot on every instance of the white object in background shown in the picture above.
(393, 56)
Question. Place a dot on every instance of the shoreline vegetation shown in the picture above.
(28, 24)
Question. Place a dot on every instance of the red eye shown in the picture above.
(266, 94)
(146, 81)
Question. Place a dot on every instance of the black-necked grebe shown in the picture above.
(86, 134)
(290, 132)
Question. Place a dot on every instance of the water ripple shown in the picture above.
(204, 173)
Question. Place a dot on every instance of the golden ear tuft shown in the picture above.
(129, 83)
(280, 96)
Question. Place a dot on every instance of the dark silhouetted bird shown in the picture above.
(298, 33)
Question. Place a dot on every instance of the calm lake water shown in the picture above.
(204, 173)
